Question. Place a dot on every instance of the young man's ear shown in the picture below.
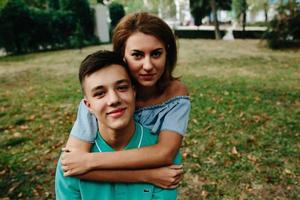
(88, 105)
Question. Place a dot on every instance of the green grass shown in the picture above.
(243, 136)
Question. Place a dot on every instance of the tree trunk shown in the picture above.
(244, 23)
(216, 21)
(266, 15)
(266, 9)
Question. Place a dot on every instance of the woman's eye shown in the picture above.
(137, 55)
(156, 54)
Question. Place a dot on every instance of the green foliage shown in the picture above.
(239, 7)
(42, 4)
(24, 29)
(116, 12)
(284, 29)
(53, 4)
(15, 21)
(2, 3)
(202, 8)
(77, 40)
(199, 9)
(83, 15)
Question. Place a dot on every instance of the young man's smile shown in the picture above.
(117, 113)
(110, 96)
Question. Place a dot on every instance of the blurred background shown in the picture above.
(34, 25)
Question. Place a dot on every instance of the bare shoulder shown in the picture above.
(177, 88)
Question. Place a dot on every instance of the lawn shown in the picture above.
(243, 139)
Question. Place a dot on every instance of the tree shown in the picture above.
(83, 14)
(284, 29)
(36, 3)
(240, 7)
(202, 8)
(213, 5)
(77, 39)
(2, 3)
(257, 5)
(14, 22)
(53, 4)
(116, 12)
(199, 9)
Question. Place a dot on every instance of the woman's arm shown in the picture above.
(165, 177)
(78, 159)
(77, 163)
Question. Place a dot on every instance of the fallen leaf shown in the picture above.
(184, 155)
(252, 158)
(204, 193)
(195, 121)
(17, 134)
(234, 151)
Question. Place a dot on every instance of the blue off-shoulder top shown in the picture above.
(172, 115)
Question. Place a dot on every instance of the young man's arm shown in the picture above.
(78, 161)
(66, 187)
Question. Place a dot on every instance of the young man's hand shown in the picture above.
(75, 162)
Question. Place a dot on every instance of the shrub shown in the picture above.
(14, 22)
(116, 12)
(284, 29)
(83, 15)
(24, 29)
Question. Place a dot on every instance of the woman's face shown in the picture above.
(146, 58)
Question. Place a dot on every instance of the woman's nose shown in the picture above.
(148, 65)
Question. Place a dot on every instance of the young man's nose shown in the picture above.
(113, 98)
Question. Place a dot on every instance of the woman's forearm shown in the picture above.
(127, 176)
(160, 154)
(164, 177)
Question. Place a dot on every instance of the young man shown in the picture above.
(110, 96)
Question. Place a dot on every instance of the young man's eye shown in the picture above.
(98, 94)
(123, 88)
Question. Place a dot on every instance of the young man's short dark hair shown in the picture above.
(98, 60)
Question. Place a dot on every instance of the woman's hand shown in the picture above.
(75, 162)
(166, 177)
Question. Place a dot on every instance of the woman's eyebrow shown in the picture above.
(139, 51)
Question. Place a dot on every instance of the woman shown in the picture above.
(148, 46)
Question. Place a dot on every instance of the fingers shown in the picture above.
(176, 166)
(68, 173)
(65, 150)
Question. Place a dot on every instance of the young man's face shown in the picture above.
(110, 96)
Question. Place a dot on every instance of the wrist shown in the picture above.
(146, 176)
(90, 161)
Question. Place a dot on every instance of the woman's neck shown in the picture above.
(148, 96)
(146, 93)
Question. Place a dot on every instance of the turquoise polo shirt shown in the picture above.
(71, 188)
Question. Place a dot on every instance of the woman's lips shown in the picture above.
(147, 77)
